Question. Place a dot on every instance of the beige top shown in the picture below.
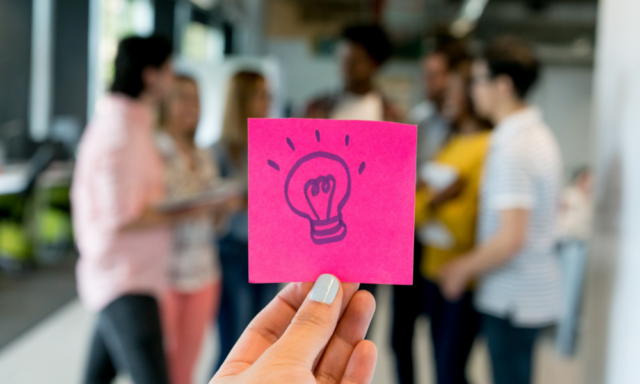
(194, 260)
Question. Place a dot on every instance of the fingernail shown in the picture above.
(325, 289)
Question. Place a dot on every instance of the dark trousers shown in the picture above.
(407, 306)
(511, 350)
(372, 288)
(240, 301)
(128, 337)
(454, 326)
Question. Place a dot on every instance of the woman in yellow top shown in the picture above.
(446, 209)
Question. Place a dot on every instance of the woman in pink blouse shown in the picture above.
(123, 242)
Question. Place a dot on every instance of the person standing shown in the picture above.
(449, 211)
(123, 241)
(362, 52)
(519, 284)
(193, 297)
(433, 132)
(248, 97)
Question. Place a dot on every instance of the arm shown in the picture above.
(426, 201)
(150, 217)
(449, 193)
(499, 250)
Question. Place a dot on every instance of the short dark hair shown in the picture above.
(373, 38)
(511, 56)
(454, 51)
(134, 55)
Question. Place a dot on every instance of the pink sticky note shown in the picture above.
(331, 196)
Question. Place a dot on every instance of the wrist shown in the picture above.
(470, 265)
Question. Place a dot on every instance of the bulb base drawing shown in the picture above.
(329, 230)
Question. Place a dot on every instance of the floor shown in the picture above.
(22, 302)
(53, 352)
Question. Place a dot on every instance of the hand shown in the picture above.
(215, 208)
(454, 278)
(235, 204)
(188, 213)
(305, 336)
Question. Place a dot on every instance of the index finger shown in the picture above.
(270, 325)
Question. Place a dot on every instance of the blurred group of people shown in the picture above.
(488, 184)
(488, 188)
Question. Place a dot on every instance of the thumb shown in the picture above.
(314, 323)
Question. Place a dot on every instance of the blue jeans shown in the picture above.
(240, 301)
(572, 255)
(511, 350)
(454, 325)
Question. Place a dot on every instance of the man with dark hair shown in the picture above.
(432, 127)
(519, 286)
(363, 50)
(433, 130)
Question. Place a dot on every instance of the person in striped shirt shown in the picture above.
(519, 286)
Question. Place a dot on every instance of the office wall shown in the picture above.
(164, 13)
(71, 58)
(15, 59)
(564, 95)
(612, 314)
(69, 72)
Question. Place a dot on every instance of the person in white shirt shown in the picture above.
(519, 283)
(362, 52)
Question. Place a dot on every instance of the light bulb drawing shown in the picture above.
(317, 188)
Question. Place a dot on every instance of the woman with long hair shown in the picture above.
(446, 219)
(248, 97)
(193, 296)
